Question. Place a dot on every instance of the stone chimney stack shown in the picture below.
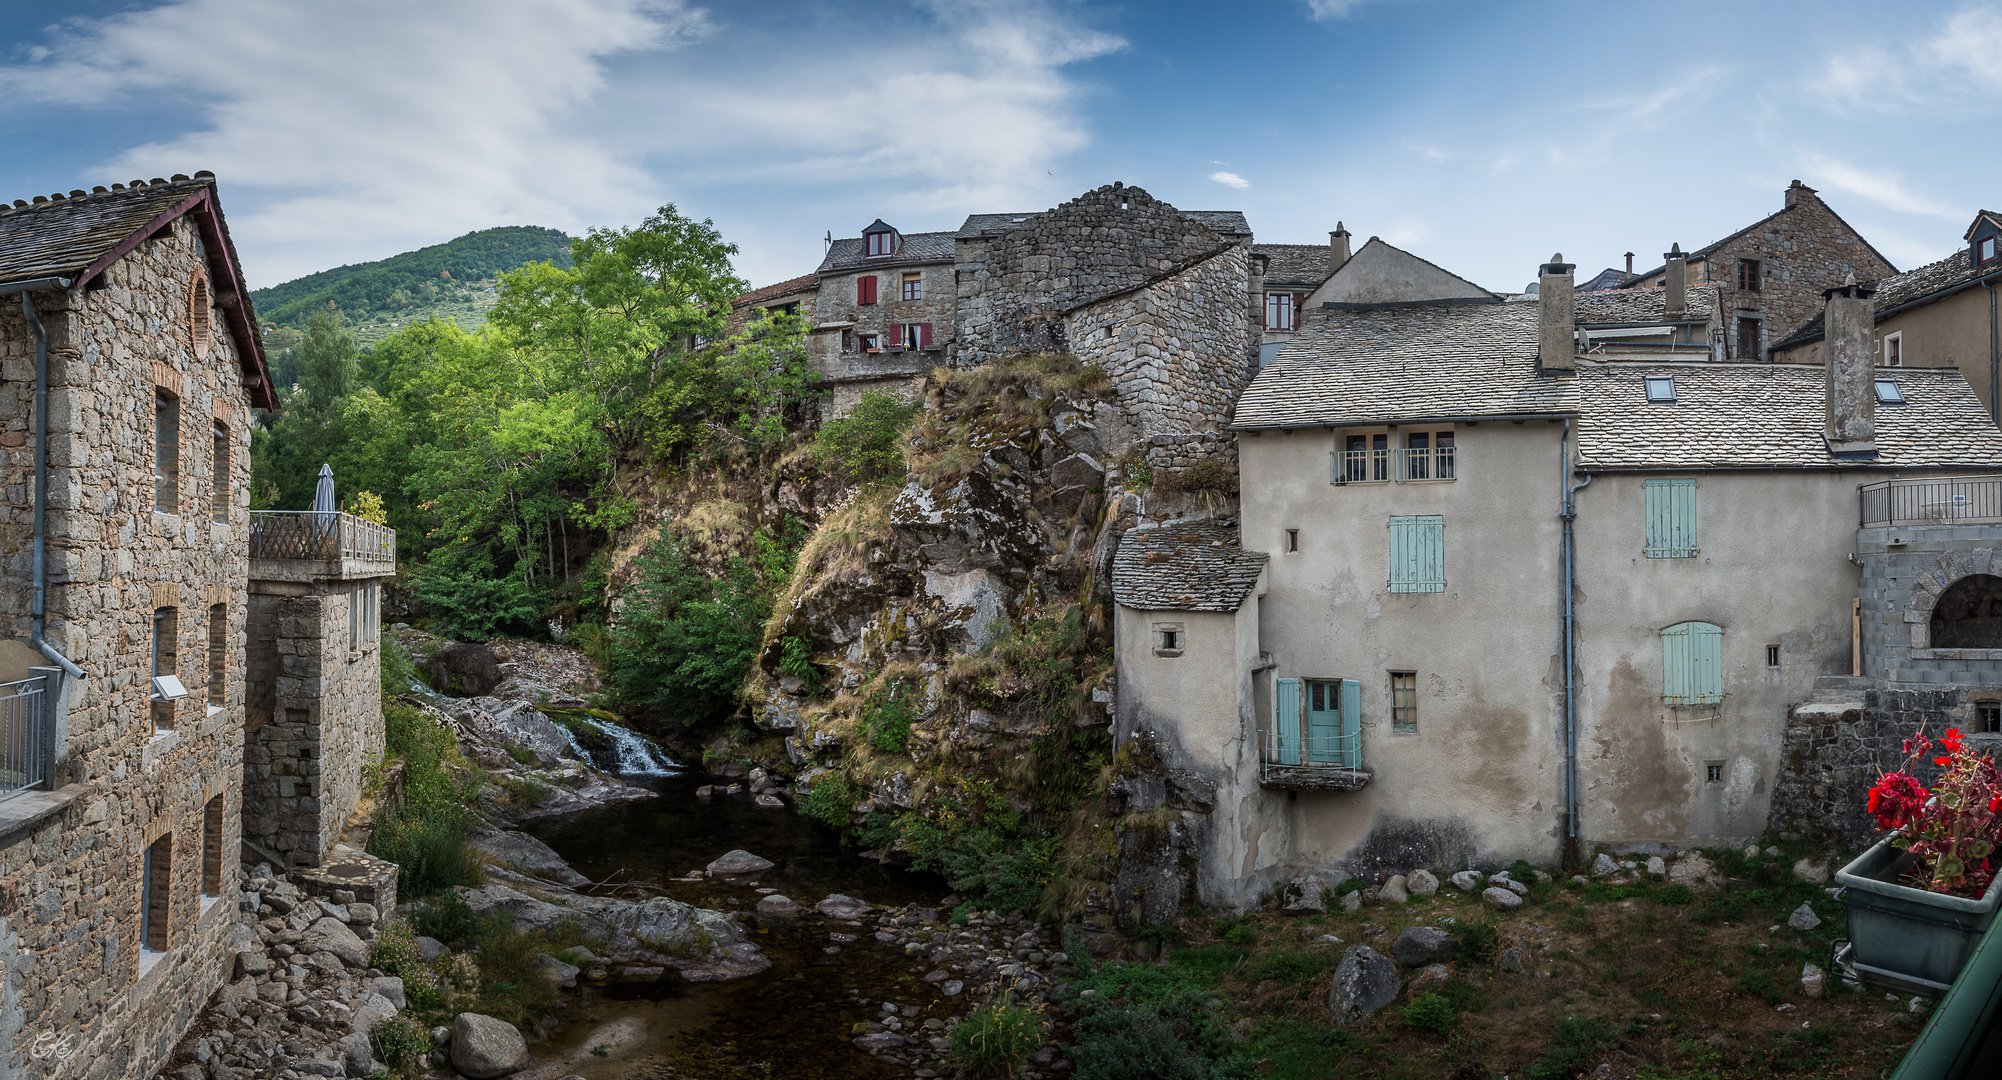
(1675, 281)
(1557, 331)
(1797, 191)
(1630, 264)
(1338, 248)
(1258, 265)
(1849, 322)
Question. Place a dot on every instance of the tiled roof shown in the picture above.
(1198, 567)
(1892, 292)
(1743, 416)
(1294, 264)
(915, 249)
(798, 284)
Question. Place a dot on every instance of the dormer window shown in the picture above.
(879, 239)
(1985, 251)
(879, 243)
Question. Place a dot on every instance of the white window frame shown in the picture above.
(1894, 349)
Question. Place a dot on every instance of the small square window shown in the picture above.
(914, 287)
(1713, 773)
(1660, 389)
(1168, 639)
(1748, 275)
(1988, 716)
(1292, 539)
(879, 243)
(1772, 656)
(1888, 392)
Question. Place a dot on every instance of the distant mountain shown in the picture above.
(453, 280)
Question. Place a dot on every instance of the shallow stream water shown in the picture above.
(792, 1021)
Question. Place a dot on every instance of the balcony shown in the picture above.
(26, 743)
(1968, 500)
(1290, 762)
(301, 545)
(1391, 466)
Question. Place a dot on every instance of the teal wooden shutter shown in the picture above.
(1351, 724)
(1692, 664)
(1671, 519)
(1418, 554)
(1286, 722)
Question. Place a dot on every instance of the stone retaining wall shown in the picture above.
(1832, 754)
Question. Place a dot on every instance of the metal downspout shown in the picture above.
(1568, 512)
(1994, 358)
(41, 568)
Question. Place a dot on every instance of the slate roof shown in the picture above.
(1703, 253)
(1294, 264)
(793, 285)
(1912, 285)
(1193, 567)
(916, 249)
(1744, 416)
(1609, 278)
(1227, 222)
(79, 235)
(1641, 305)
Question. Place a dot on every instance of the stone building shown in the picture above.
(1942, 314)
(1504, 583)
(1771, 273)
(883, 311)
(1287, 279)
(129, 369)
(795, 295)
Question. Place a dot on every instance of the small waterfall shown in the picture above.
(629, 752)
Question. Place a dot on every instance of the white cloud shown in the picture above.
(368, 122)
(1332, 10)
(1434, 154)
(1230, 180)
(1886, 188)
(1931, 71)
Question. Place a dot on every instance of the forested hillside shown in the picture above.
(453, 281)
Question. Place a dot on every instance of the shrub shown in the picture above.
(1675, 894)
(796, 660)
(1429, 1012)
(394, 949)
(1577, 1038)
(1480, 942)
(886, 719)
(512, 986)
(685, 640)
(525, 791)
(430, 851)
(994, 1039)
(400, 1040)
(468, 602)
(829, 800)
(447, 918)
(867, 444)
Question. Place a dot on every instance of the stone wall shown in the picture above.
(69, 880)
(1178, 350)
(1899, 586)
(1832, 754)
(315, 721)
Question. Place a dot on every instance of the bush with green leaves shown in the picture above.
(394, 949)
(994, 1039)
(426, 837)
(685, 640)
(1141, 1022)
(888, 715)
(829, 799)
(400, 1040)
(1429, 1012)
(469, 600)
(867, 444)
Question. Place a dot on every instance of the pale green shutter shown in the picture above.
(1692, 664)
(1418, 554)
(1351, 724)
(1286, 721)
(1671, 519)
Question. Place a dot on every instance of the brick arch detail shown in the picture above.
(1950, 567)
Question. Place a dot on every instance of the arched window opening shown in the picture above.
(1969, 614)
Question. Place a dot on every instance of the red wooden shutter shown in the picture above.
(865, 290)
(924, 335)
(894, 335)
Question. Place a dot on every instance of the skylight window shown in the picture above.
(1660, 389)
(1888, 392)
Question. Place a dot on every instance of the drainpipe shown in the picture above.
(27, 289)
(1994, 358)
(1568, 512)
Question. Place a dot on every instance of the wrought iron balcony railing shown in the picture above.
(25, 738)
(1939, 500)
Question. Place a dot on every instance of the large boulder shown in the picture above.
(483, 1047)
(1422, 883)
(524, 853)
(333, 936)
(704, 945)
(1365, 981)
(466, 670)
(1500, 899)
(739, 862)
(1419, 946)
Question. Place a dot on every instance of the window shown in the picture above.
(872, 343)
(1168, 639)
(865, 289)
(848, 341)
(166, 453)
(200, 315)
(1713, 772)
(1894, 349)
(1772, 656)
(1988, 716)
(913, 335)
(1671, 519)
(1888, 392)
(166, 684)
(1748, 339)
(1282, 311)
(212, 847)
(1292, 539)
(1428, 455)
(1985, 250)
(1366, 460)
(1748, 275)
(1692, 664)
(914, 287)
(1418, 554)
(879, 243)
(1315, 722)
(1404, 701)
(219, 477)
(1660, 389)
(155, 874)
(354, 617)
(219, 654)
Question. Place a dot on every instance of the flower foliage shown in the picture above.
(1954, 828)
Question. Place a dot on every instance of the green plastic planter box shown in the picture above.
(1921, 936)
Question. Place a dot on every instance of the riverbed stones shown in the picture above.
(556, 971)
(331, 935)
(738, 863)
(837, 906)
(1419, 946)
(484, 1048)
(1500, 899)
(1422, 883)
(778, 905)
(524, 853)
(1365, 981)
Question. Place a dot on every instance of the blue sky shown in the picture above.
(1483, 136)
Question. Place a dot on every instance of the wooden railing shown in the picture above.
(320, 536)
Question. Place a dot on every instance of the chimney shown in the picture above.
(1797, 191)
(1849, 322)
(1258, 265)
(1675, 282)
(1630, 264)
(1557, 340)
(1338, 248)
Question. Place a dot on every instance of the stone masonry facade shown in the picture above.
(84, 996)
(1898, 588)
(1832, 754)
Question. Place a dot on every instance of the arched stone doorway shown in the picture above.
(1968, 615)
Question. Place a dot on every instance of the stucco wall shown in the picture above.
(1949, 333)
(71, 882)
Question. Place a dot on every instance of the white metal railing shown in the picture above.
(1387, 465)
(319, 535)
(24, 736)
